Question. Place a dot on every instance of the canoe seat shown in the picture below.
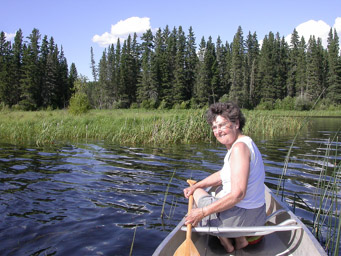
(268, 228)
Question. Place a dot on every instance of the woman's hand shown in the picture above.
(189, 191)
(194, 217)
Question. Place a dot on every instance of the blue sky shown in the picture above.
(78, 25)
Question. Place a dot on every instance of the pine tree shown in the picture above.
(251, 69)
(191, 61)
(293, 64)
(49, 91)
(267, 70)
(63, 89)
(102, 80)
(117, 70)
(280, 58)
(128, 88)
(301, 74)
(16, 69)
(179, 69)
(31, 74)
(73, 76)
(44, 52)
(334, 68)
(110, 88)
(221, 69)
(201, 90)
(315, 84)
(147, 90)
(93, 65)
(236, 72)
(5, 63)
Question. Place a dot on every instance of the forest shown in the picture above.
(168, 69)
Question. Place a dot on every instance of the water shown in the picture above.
(90, 199)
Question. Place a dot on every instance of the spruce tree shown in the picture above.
(93, 65)
(293, 64)
(301, 74)
(221, 70)
(315, 84)
(179, 69)
(49, 91)
(30, 80)
(267, 70)
(62, 90)
(191, 61)
(73, 76)
(146, 88)
(334, 68)
(16, 69)
(237, 94)
(201, 90)
(251, 69)
(5, 72)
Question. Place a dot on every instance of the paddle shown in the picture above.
(188, 248)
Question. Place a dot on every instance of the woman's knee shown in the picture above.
(199, 193)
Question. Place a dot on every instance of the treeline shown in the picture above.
(33, 74)
(167, 70)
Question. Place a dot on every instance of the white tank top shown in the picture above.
(255, 193)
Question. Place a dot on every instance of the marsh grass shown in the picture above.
(130, 126)
(327, 209)
(132, 243)
(165, 197)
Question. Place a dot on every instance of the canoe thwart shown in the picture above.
(287, 225)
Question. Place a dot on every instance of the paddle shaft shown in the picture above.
(187, 248)
(189, 226)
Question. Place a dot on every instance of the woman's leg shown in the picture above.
(227, 243)
(241, 242)
(199, 193)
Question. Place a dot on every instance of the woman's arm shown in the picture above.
(212, 180)
(240, 169)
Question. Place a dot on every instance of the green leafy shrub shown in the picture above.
(265, 105)
(148, 104)
(303, 103)
(79, 104)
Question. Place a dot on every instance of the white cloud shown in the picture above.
(9, 36)
(337, 25)
(319, 29)
(122, 29)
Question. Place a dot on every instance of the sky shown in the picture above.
(78, 25)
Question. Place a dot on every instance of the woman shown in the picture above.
(242, 199)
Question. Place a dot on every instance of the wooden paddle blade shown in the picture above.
(187, 248)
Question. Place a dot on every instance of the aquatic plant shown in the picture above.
(130, 126)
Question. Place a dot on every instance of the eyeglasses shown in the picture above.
(222, 126)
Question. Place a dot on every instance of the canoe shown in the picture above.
(283, 234)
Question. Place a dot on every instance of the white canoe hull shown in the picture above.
(291, 242)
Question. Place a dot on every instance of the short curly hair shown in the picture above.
(228, 110)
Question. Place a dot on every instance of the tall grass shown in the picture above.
(327, 209)
(130, 126)
(327, 220)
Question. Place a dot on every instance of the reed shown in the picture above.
(327, 220)
(132, 243)
(166, 194)
(326, 207)
(130, 126)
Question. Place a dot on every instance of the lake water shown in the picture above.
(93, 199)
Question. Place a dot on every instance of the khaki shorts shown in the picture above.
(234, 217)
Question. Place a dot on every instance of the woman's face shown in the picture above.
(225, 131)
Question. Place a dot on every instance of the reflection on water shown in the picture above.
(88, 199)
